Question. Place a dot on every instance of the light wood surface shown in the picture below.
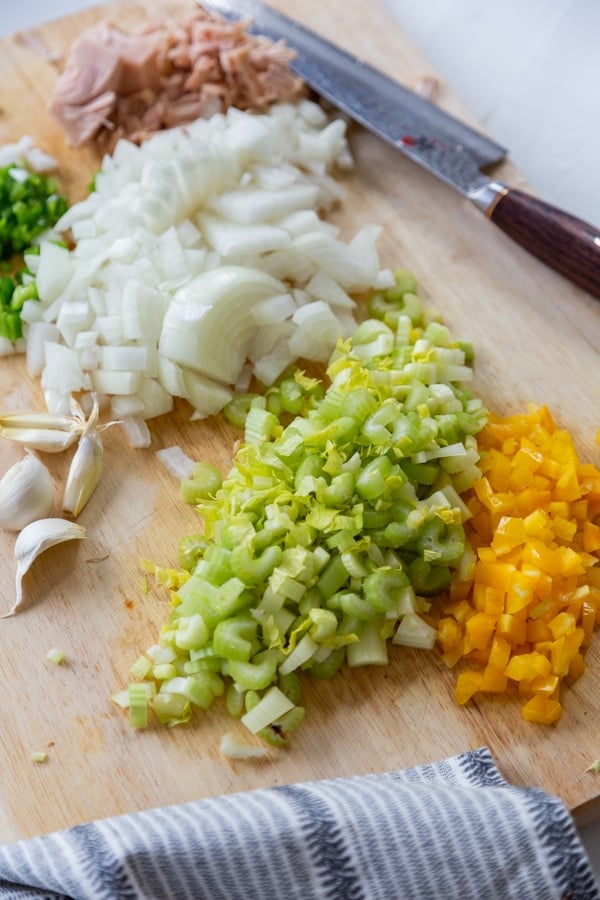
(537, 339)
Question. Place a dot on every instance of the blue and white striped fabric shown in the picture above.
(454, 829)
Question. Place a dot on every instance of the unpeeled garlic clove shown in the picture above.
(33, 540)
(26, 493)
(41, 431)
(86, 467)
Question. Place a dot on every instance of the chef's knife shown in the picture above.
(432, 138)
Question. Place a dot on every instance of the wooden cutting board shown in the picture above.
(537, 339)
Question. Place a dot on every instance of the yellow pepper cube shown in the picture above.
(525, 666)
(541, 555)
(475, 655)
(509, 446)
(542, 710)
(498, 471)
(459, 590)
(489, 600)
(591, 537)
(480, 628)
(564, 650)
(512, 627)
(564, 529)
(532, 499)
(541, 684)
(521, 588)
(560, 508)
(569, 562)
(577, 667)
(493, 680)
(543, 588)
(499, 653)
(580, 510)
(538, 631)
(536, 523)
(567, 487)
(486, 555)
(452, 656)
(562, 624)
(550, 468)
(449, 634)
(467, 684)
(459, 611)
(545, 609)
(497, 575)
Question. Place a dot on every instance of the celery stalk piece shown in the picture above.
(270, 707)
(370, 649)
(413, 631)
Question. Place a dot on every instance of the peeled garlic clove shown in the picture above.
(33, 540)
(26, 493)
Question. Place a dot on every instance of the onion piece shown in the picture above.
(209, 325)
(176, 461)
(137, 432)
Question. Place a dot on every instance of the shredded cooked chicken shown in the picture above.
(166, 73)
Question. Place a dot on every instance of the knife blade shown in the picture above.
(432, 138)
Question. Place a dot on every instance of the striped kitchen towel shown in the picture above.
(453, 829)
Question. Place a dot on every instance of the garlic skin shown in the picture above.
(26, 493)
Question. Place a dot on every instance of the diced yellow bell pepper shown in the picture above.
(541, 684)
(500, 652)
(512, 627)
(534, 598)
(577, 667)
(467, 684)
(567, 487)
(537, 631)
(494, 574)
(526, 666)
(493, 680)
(562, 624)
(542, 710)
(591, 537)
(479, 630)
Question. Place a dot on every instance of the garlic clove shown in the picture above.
(86, 467)
(32, 541)
(84, 473)
(26, 493)
(41, 431)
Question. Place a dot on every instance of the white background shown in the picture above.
(530, 72)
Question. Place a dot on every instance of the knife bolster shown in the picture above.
(486, 196)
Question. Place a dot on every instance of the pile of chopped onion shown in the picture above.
(201, 259)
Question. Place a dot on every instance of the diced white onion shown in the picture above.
(137, 432)
(193, 257)
(176, 461)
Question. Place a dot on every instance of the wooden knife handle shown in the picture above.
(564, 242)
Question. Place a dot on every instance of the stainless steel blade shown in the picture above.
(413, 125)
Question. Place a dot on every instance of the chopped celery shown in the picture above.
(340, 514)
(269, 708)
(39, 756)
